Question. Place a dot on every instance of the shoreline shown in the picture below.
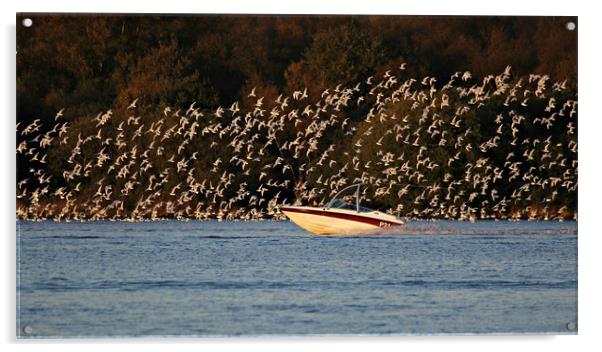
(284, 218)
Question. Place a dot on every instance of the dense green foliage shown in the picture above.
(93, 63)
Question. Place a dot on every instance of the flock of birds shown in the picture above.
(502, 147)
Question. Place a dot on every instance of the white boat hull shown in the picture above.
(323, 221)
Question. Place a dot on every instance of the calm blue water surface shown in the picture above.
(252, 278)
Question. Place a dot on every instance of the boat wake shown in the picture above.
(458, 228)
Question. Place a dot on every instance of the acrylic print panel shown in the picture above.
(207, 175)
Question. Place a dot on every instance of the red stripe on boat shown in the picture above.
(351, 217)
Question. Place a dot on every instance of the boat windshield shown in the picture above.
(349, 201)
(341, 204)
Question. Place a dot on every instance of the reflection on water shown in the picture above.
(270, 277)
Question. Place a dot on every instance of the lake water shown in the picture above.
(109, 279)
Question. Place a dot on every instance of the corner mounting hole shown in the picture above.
(571, 26)
(27, 22)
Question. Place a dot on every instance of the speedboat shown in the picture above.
(342, 215)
